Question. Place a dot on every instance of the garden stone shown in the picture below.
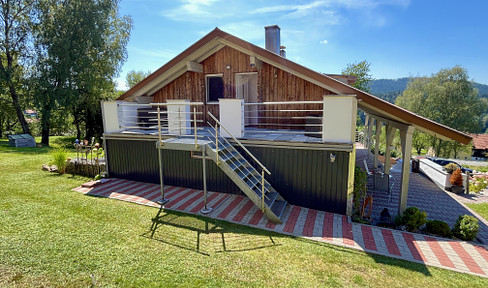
(45, 167)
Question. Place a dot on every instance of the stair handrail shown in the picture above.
(239, 143)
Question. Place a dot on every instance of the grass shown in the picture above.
(482, 168)
(52, 236)
(481, 209)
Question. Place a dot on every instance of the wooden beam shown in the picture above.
(255, 62)
(194, 67)
(366, 127)
(370, 134)
(406, 137)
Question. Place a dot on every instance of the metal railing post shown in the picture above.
(217, 142)
(195, 125)
(179, 120)
(262, 190)
(161, 180)
(205, 209)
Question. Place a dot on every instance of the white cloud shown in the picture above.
(323, 42)
(197, 11)
(294, 8)
(160, 54)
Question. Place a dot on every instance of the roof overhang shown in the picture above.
(217, 39)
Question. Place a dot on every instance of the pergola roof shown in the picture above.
(217, 39)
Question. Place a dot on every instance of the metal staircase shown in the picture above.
(245, 175)
(228, 159)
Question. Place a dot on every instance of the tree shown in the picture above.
(16, 26)
(449, 98)
(80, 46)
(133, 77)
(361, 71)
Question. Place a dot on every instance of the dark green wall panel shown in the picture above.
(303, 177)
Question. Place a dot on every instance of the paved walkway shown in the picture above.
(424, 194)
(308, 223)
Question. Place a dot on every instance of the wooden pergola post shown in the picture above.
(379, 124)
(390, 132)
(406, 137)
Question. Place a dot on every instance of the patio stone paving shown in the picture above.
(424, 194)
(307, 223)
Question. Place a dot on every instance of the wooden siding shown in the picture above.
(273, 85)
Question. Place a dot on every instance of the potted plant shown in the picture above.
(457, 181)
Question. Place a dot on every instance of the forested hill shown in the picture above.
(389, 89)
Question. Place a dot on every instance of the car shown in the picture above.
(444, 162)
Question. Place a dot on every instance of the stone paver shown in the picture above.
(307, 223)
(422, 193)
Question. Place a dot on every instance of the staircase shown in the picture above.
(246, 177)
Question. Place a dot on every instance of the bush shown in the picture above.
(412, 218)
(456, 178)
(466, 228)
(478, 184)
(450, 167)
(60, 155)
(439, 228)
(360, 182)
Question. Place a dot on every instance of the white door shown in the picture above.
(247, 89)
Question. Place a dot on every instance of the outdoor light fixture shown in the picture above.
(228, 67)
(332, 157)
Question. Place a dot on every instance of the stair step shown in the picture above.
(278, 207)
(222, 145)
(270, 198)
(244, 173)
(238, 165)
(252, 182)
(229, 155)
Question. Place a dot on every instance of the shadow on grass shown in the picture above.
(205, 235)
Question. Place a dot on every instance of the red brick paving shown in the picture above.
(240, 215)
(413, 247)
(467, 259)
(292, 219)
(390, 242)
(243, 209)
(309, 223)
(439, 252)
(347, 236)
(230, 207)
(328, 227)
(369, 242)
(200, 205)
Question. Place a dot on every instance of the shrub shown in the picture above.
(456, 178)
(412, 218)
(439, 228)
(360, 182)
(478, 184)
(60, 155)
(466, 227)
(450, 167)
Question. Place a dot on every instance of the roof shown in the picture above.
(217, 39)
(480, 141)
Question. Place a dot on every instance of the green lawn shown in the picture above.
(481, 209)
(52, 236)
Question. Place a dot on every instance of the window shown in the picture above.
(215, 88)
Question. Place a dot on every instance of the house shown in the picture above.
(480, 147)
(233, 117)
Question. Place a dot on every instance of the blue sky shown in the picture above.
(398, 37)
